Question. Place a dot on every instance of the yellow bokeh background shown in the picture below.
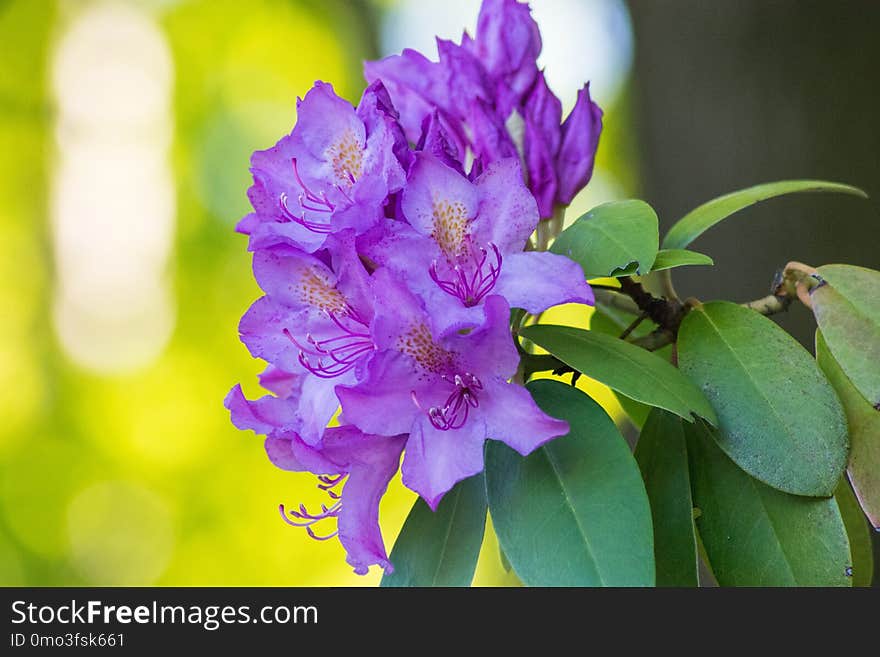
(135, 476)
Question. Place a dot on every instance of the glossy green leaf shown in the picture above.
(612, 322)
(574, 512)
(864, 434)
(755, 535)
(858, 533)
(847, 310)
(441, 548)
(698, 221)
(662, 457)
(613, 239)
(670, 258)
(623, 367)
(780, 420)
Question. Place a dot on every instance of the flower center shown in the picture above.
(454, 412)
(471, 276)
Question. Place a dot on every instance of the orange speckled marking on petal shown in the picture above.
(450, 226)
(347, 158)
(418, 343)
(317, 291)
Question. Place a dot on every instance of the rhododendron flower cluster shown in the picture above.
(391, 241)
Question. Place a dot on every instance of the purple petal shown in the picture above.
(488, 351)
(415, 85)
(536, 281)
(279, 382)
(436, 140)
(491, 141)
(541, 167)
(513, 417)
(436, 460)
(262, 330)
(507, 43)
(508, 212)
(359, 530)
(322, 118)
(267, 415)
(544, 110)
(577, 152)
(382, 403)
(296, 279)
(439, 201)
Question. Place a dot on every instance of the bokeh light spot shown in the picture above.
(120, 534)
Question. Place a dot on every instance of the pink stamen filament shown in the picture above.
(343, 351)
(455, 410)
(313, 202)
(304, 518)
(473, 278)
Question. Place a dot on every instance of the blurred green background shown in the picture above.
(125, 133)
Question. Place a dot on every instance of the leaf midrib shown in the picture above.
(622, 245)
(642, 368)
(574, 514)
(779, 421)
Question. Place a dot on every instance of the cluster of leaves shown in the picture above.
(744, 436)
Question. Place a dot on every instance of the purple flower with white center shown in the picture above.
(360, 464)
(334, 171)
(494, 102)
(464, 242)
(449, 393)
(312, 325)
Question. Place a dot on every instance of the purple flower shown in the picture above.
(508, 43)
(312, 325)
(334, 171)
(494, 103)
(577, 152)
(449, 393)
(360, 464)
(464, 242)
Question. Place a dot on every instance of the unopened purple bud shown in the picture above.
(577, 152)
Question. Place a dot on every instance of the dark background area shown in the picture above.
(731, 93)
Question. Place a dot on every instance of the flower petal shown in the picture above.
(513, 417)
(382, 402)
(436, 460)
(440, 202)
(508, 211)
(577, 152)
(537, 280)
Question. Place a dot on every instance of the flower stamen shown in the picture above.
(473, 275)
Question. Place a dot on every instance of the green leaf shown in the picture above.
(755, 535)
(864, 434)
(669, 258)
(698, 221)
(780, 420)
(623, 367)
(612, 322)
(847, 310)
(858, 533)
(613, 239)
(441, 548)
(662, 457)
(574, 512)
